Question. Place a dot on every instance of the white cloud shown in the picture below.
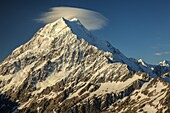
(162, 53)
(158, 54)
(90, 19)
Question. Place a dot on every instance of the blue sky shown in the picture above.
(138, 28)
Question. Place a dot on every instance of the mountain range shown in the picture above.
(65, 69)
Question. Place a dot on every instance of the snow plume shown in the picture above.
(90, 19)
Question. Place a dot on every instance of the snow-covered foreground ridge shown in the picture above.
(65, 69)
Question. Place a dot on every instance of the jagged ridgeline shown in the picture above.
(65, 69)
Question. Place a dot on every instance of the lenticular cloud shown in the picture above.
(90, 19)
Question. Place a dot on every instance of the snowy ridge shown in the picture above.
(151, 98)
(165, 63)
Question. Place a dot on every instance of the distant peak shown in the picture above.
(165, 63)
(142, 62)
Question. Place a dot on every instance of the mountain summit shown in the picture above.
(65, 69)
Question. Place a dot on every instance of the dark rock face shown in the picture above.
(58, 71)
(6, 105)
(160, 70)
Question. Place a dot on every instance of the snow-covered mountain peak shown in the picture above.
(66, 32)
(74, 19)
(74, 26)
(64, 66)
(165, 63)
(142, 62)
(62, 19)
